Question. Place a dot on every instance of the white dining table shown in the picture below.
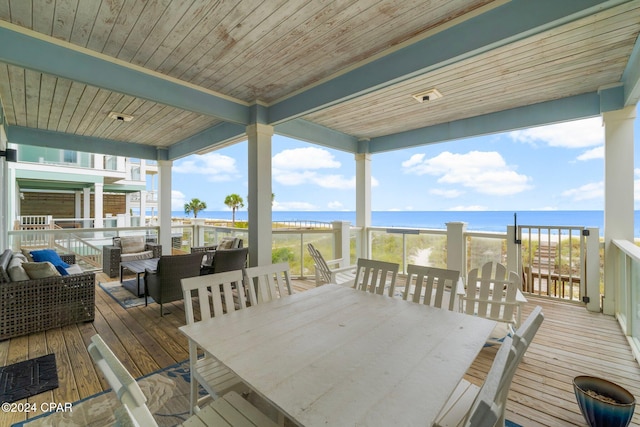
(337, 356)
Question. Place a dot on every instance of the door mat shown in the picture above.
(25, 379)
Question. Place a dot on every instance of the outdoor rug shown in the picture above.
(122, 295)
(25, 379)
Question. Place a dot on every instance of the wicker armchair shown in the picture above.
(163, 285)
(112, 254)
(229, 260)
(30, 306)
(209, 253)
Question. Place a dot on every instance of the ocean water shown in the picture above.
(476, 220)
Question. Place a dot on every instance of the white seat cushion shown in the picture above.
(132, 244)
(40, 270)
(16, 271)
(136, 256)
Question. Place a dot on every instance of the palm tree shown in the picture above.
(234, 201)
(195, 206)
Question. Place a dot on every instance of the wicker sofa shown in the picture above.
(36, 305)
(127, 248)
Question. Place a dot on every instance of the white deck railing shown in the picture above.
(627, 294)
(454, 248)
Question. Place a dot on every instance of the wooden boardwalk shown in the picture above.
(570, 342)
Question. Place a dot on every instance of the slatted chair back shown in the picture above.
(267, 282)
(490, 404)
(229, 410)
(431, 286)
(121, 381)
(217, 294)
(484, 406)
(322, 268)
(331, 271)
(375, 276)
(491, 293)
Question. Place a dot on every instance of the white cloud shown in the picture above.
(302, 166)
(338, 182)
(335, 181)
(575, 134)
(335, 205)
(414, 160)
(178, 199)
(594, 153)
(215, 167)
(483, 171)
(593, 190)
(304, 158)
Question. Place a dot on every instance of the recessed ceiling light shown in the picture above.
(120, 117)
(427, 95)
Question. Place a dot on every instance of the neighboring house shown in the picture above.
(63, 184)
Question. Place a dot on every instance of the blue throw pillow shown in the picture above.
(53, 257)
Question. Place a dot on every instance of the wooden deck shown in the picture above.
(570, 342)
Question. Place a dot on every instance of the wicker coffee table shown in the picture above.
(138, 267)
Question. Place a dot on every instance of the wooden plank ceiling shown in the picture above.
(254, 52)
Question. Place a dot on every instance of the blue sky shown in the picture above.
(558, 167)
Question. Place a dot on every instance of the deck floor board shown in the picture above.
(570, 342)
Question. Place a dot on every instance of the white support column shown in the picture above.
(77, 212)
(98, 161)
(363, 201)
(5, 186)
(259, 203)
(457, 248)
(592, 270)
(143, 208)
(127, 203)
(14, 198)
(98, 205)
(86, 206)
(198, 232)
(127, 209)
(618, 192)
(342, 242)
(164, 204)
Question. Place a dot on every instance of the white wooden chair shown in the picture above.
(268, 282)
(376, 276)
(230, 409)
(470, 405)
(331, 271)
(492, 292)
(220, 291)
(431, 286)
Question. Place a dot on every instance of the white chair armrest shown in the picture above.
(343, 269)
(334, 261)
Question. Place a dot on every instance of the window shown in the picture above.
(69, 156)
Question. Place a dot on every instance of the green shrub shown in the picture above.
(282, 255)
